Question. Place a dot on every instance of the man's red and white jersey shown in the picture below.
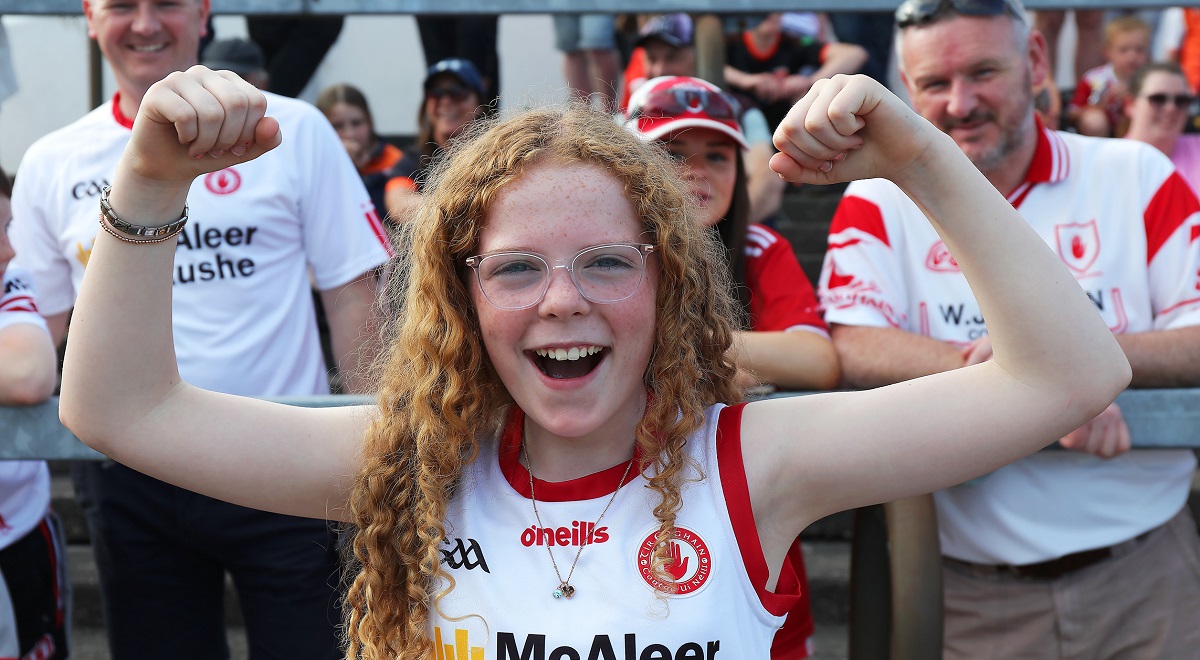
(781, 297)
(243, 313)
(1126, 226)
(24, 485)
(497, 553)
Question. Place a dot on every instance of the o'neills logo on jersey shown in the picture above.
(939, 259)
(223, 182)
(690, 562)
(579, 533)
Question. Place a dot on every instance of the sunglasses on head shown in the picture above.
(456, 93)
(916, 12)
(678, 101)
(1181, 101)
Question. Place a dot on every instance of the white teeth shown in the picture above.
(573, 353)
(148, 49)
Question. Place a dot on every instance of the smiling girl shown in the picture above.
(507, 503)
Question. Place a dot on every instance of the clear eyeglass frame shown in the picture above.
(477, 261)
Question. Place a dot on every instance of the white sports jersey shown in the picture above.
(243, 315)
(1126, 225)
(497, 554)
(24, 485)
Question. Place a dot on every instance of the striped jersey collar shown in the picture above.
(1051, 163)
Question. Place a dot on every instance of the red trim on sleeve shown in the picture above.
(741, 516)
(858, 213)
(1173, 203)
(127, 122)
(380, 233)
(10, 304)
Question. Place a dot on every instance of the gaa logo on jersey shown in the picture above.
(689, 563)
(223, 182)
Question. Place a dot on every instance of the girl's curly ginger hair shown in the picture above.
(438, 393)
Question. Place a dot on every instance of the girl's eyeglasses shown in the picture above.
(606, 273)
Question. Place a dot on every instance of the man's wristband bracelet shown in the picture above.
(131, 233)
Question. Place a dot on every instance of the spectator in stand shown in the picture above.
(1159, 105)
(873, 31)
(667, 42)
(35, 595)
(1089, 552)
(1089, 37)
(240, 56)
(471, 38)
(293, 47)
(776, 69)
(1098, 105)
(454, 93)
(243, 323)
(783, 340)
(345, 106)
(590, 60)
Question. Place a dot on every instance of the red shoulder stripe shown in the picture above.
(1172, 205)
(858, 213)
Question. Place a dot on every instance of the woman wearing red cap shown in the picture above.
(784, 342)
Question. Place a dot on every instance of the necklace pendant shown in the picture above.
(567, 590)
(557, 593)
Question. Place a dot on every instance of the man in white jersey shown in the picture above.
(243, 324)
(1089, 552)
(34, 592)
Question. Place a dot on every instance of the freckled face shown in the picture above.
(557, 209)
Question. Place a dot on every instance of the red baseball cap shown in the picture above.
(671, 103)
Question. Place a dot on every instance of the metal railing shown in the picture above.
(351, 7)
(896, 578)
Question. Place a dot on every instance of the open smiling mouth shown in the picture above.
(563, 363)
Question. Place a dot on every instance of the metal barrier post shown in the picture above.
(916, 570)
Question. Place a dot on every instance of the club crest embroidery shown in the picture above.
(690, 564)
(223, 182)
(1078, 245)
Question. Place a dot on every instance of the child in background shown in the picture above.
(34, 593)
(1097, 108)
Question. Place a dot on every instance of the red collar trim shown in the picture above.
(1051, 162)
(590, 487)
(118, 115)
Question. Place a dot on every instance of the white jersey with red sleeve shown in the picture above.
(781, 297)
(1126, 226)
(24, 485)
(243, 313)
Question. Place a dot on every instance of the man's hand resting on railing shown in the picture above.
(1105, 436)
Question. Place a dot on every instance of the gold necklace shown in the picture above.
(564, 588)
